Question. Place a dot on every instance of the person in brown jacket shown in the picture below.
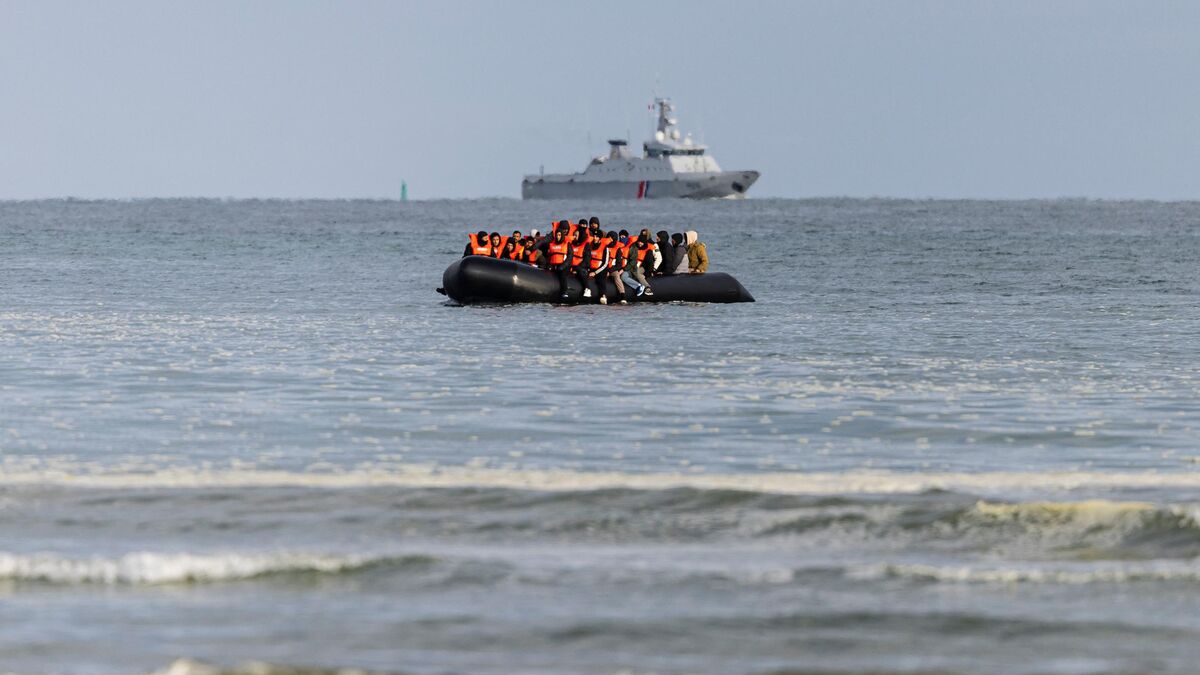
(696, 252)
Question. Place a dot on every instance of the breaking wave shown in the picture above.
(13, 473)
(147, 568)
(1039, 574)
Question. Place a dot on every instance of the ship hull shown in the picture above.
(722, 185)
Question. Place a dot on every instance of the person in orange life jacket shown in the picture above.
(592, 268)
(637, 255)
(579, 246)
(616, 264)
(478, 244)
(625, 243)
(594, 226)
(497, 244)
(666, 262)
(510, 251)
(531, 255)
(557, 252)
(536, 238)
(554, 228)
(653, 256)
(567, 227)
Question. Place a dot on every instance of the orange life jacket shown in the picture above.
(597, 256)
(498, 249)
(558, 250)
(577, 253)
(530, 256)
(480, 249)
(515, 255)
(616, 255)
(642, 251)
(568, 229)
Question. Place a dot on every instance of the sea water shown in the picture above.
(949, 436)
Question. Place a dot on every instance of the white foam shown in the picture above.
(433, 476)
(1084, 573)
(148, 568)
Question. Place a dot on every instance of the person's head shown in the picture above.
(560, 233)
(677, 238)
(533, 234)
(582, 223)
(611, 236)
(510, 246)
(623, 236)
(528, 242)
(495, 239)
(663, 235)
(580, 235)
(691, 237)
(481, 237)
(516, 234)
(644, 236)
(596, 231)
(594, 221)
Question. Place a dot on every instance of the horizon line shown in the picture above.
(1061, 198)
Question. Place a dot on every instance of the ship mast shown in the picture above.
(665, 121)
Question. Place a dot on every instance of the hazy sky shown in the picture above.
(346, 99)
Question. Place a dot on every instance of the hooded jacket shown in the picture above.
(667, 251)
(681, 258)
(697, 253)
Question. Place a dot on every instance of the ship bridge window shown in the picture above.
(655, 152)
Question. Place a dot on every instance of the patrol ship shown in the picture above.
(669, 167)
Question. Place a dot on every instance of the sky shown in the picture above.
(347, 99)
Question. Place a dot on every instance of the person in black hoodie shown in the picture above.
(667, 266)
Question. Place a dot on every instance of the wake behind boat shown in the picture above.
(670, 166)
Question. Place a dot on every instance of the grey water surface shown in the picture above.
(950, 436)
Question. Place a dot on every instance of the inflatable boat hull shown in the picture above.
(479, 279)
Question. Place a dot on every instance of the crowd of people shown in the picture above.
(584, 250)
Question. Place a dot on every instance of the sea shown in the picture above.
(251, 437)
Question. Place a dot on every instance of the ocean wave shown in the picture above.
(194, 667)
(1084, 530)
(14, 473)
(453, 508)
(1032, 574)
(152, 568)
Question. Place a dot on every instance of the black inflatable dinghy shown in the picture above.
(480, 279)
